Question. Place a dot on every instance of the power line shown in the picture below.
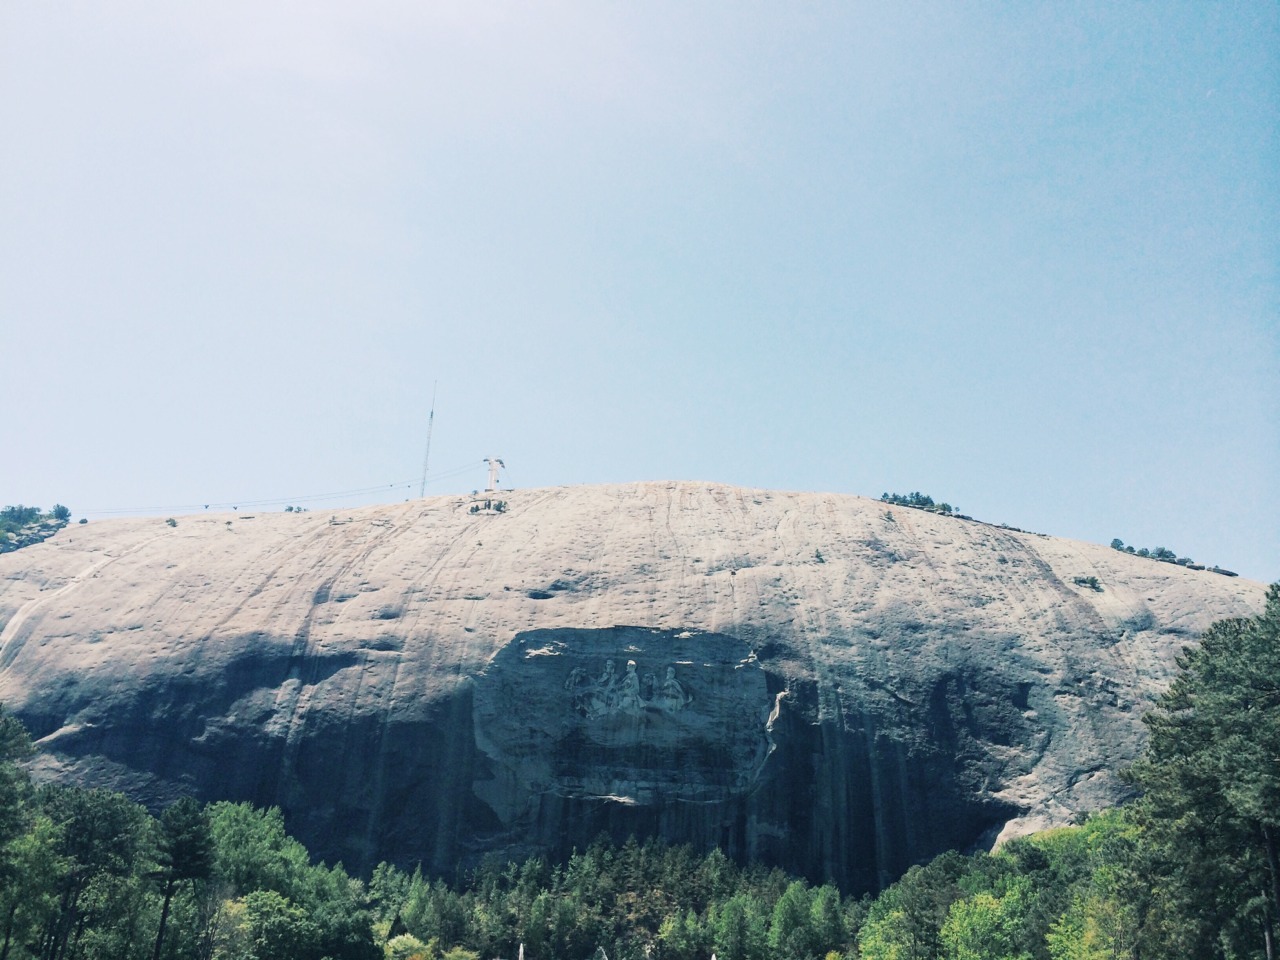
(307, 498)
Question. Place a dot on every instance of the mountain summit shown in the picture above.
(823, 682)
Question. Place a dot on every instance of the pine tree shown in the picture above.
(1211, 778)
(186, 853)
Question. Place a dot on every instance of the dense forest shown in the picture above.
(1190, 869)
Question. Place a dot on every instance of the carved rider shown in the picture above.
(629, 700)
(673, 693)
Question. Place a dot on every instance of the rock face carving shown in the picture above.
(419, 683)
(609, 741)
(631, 695)
(673, 696)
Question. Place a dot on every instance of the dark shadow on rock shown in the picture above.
(689, 736)
(842, 785)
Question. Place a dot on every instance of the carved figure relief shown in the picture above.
(673, 696)
(601, 698)
(629, 700)
(629, 694)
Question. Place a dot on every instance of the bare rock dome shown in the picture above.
(817, 681)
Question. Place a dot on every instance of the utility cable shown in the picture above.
(307, 498)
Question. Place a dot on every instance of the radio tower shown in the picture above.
(426, 458)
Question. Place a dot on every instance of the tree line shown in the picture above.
(21, 526)
(1190, 869)
(1165, 555)
(921, 501)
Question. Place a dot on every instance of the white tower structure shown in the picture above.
(494, 466)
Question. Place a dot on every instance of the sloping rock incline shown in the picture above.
(814, 680)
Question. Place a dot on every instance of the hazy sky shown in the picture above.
(1022, 257)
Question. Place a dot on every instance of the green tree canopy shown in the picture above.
(185, 854)
(1211, 778)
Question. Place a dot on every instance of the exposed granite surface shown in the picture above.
(814, 683)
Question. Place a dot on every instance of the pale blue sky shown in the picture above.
(1022, 257)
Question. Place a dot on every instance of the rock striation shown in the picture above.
(813, 680)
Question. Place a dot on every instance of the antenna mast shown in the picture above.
(426, 458)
